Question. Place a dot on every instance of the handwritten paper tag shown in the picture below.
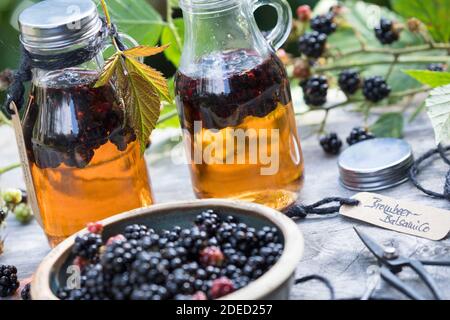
(399, 215)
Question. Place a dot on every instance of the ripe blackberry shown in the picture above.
(121, 286)
(359, 134)
(386, 32)
(181, 282)
(221, 287)
(137, 232)
(437, 67)
(87, 246)
(25, 293)
(268, 235)
(349, 81)
(149, 267)
(8, 281)
(324, 23)
(271, 253)
(331, 143)
(95, 282)
(149, 292)
(315, 90)
(208, 221)
(312, 44)
(376, 89)
(119, 256)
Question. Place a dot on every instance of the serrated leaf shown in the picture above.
(137, 18)
(388, 125)
(144, 51)
(363, 17)
(151, 75)
(433, 79)
(438, 108)
(108, 71)
(144, 107)
(434, 13)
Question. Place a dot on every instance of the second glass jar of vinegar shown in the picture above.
(235, 105)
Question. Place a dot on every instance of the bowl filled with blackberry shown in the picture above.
(198, 250)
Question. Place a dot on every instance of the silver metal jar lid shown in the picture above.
(54, 25)
(375, 164)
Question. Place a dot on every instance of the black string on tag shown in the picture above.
(301, 211)
(415, 170)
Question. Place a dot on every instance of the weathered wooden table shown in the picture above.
(332, 247)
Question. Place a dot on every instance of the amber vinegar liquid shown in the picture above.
(86, 165)
(236, 97)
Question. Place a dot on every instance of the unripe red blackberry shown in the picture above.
(221, 287)
(211, 256)
(304, 13)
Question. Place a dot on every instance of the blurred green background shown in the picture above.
(9, 10)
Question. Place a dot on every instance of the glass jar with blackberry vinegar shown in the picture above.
(85, 161)
(235, 104)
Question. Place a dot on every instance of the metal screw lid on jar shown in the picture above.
(375, 164)
(54, 25)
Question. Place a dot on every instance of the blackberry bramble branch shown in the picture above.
(319, 62)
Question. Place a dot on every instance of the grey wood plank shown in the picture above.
(332, 248)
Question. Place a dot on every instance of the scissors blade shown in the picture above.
(377, 250)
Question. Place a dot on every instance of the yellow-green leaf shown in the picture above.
(144, 51)
(108, 70)
(151, 75)
(145, 107)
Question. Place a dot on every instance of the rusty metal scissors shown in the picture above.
(392, 263)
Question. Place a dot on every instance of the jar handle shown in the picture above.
(129, 42)
(278, 35)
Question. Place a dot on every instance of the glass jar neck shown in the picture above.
(95, 65)
(229, 26)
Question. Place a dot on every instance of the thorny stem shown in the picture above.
(399, 51)
(391, 67)
(167, 116)
(324, 122)
(109, 24)
(404, 60)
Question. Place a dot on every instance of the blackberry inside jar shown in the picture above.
(235, 91)
(82, 119)
(82, 153)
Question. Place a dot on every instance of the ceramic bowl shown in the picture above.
(274, 284)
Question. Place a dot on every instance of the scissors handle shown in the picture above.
(393, 280)
(431, 284)
(445, 263)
